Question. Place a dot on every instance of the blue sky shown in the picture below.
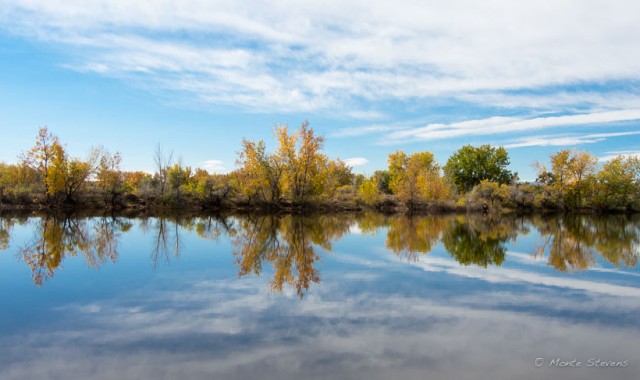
(370, 76)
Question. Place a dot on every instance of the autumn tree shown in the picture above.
(336, 174)
(618, 182)
(110, 177)
(415, 178)
(469, 165)
(302, 162)
(368, 191)
(488, 191)
(260, 173)
(178, 179)
(571, 176)
(41, 155)
(61, 175)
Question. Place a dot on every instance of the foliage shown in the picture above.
(298, 174)
(469, 165)
(415, 178)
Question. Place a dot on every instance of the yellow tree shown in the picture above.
(260, 173)
(62, 176)
(368, 191)
(302, 162)
(335, 174)
(618, 182)
(416, 177)
(572, 175)
(67, 176)
(42, 154)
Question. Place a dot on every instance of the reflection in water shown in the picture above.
(409, 236)
(289, 244)
(573, 241)
(6, 224)
(55, 238)
(480, 240)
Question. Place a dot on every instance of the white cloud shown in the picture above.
(624, 153)
(509, 275)
(499, 125)
(299, 56)
(356, 161)
(565, 140)
(213, 166)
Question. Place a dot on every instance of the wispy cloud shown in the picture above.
(356, 161)
(296, 56)
(624, 153)
(564, 140)
(500, 125)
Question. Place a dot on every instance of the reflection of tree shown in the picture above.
(106, 234)
(211, 228)
(6, 224)
(167, 239)
(55, 238)
(287, 243)
(480, 240)
(619, 239)
(409, 236)
(370, 222)
(573, 240)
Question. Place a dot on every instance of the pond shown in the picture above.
(346, 296)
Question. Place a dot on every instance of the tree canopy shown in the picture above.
(469, 165)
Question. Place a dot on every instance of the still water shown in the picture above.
(363, 296)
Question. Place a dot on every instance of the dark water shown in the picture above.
(325, 297)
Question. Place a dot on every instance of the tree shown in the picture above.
(572, 173)
(618, 183)
(336, 174)
(415, 178)
(368, 191)
(110, 178)
(178, 179)
(469, 165)
(302, 162)
(383, 180)
(163, 161)
(260, 174)
(41, 155)
(62, 176)
(490, 191)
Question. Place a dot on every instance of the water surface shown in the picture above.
(323, 297)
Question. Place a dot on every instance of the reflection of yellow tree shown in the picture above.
(619, 240)
(409, 236)
(480, 240)
(370, 222)
(573, 240)
(55, 238)
(105, 237)
(288, 244)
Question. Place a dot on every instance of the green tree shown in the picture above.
(469, 165)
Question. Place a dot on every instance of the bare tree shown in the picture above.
(163, 161)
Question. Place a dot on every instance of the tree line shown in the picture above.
(298, 175)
